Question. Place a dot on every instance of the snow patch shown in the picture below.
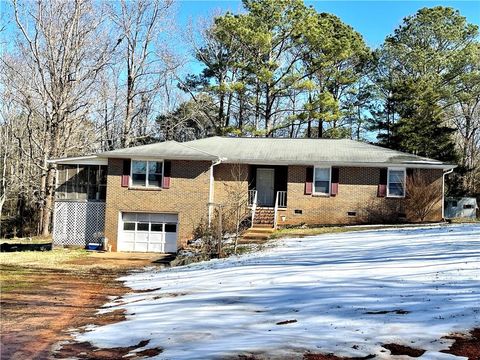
(343, 293)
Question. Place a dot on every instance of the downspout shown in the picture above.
(443, 192)
(211, 191)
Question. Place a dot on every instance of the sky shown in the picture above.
(373, 19)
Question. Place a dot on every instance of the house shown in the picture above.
(153, 197)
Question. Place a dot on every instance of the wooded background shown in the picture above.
(83, 76)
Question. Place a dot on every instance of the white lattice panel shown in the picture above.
(77, 223)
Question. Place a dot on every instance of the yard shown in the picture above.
(44, 294)
(363, 295)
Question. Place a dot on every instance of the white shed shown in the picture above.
(465, 207)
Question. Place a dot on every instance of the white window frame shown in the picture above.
(404, 181)
(147, 185)
(314, 192)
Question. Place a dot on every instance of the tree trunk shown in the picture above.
(51, 173)
(268, 111)
(127, 124)
(48, 207)
(2, 201)
(240, 113)
(229, 105)
(257, 107)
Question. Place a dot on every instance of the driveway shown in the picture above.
(362, 294)
(46, 294)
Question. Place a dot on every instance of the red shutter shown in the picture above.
(335, 181)
(126, 173)
(309, 181)
(410, 173)
(167, 169)
(382, 184)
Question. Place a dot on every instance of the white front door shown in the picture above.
(265, 187)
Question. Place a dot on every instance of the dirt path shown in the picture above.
(40, 305)
(36, 317)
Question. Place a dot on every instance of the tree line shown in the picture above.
(79, 76)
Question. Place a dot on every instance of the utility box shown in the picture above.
(465, 207)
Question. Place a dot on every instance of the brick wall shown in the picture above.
(229, 180)
(231, 191)
(189, 192)
(357, 193)
(187, 197)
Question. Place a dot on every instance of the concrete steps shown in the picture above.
(262, 226)
(258, 233)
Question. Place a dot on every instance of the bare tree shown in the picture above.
(108, 111)
(236, 200)
(422, 196)
(49, 74)
(142, 25)
(5, 153)
(465, 116)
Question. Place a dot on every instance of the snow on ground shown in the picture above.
(359, 289)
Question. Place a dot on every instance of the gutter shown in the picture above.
(211, 190)
(340, 163)
(443, 191)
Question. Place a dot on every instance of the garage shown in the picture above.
(142, 232)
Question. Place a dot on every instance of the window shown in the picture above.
(81, 182)
(147, 173)
(171, 228)
(156, 227)
(130, 226)
(142, 226)
(396, 182)
(321, 180)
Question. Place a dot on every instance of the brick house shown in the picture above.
(153, 197)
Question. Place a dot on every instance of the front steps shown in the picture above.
(262, 226)
(264, 216)
(258, 233)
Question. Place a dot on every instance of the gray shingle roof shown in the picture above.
(165, 150)
(277, 151)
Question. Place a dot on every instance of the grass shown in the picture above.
(294, 232)
(55, 259)
(13, 279)
(18, 269)
(310, 231)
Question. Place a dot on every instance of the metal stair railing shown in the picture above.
(254, 203)
(280, 201)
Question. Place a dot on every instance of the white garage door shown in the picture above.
(148, 232)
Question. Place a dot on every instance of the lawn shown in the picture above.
(16, 268)
(349, 293)
(55, 259)
(43, 294)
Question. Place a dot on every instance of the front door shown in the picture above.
(265, 187)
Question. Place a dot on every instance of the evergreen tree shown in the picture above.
(419, 67)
